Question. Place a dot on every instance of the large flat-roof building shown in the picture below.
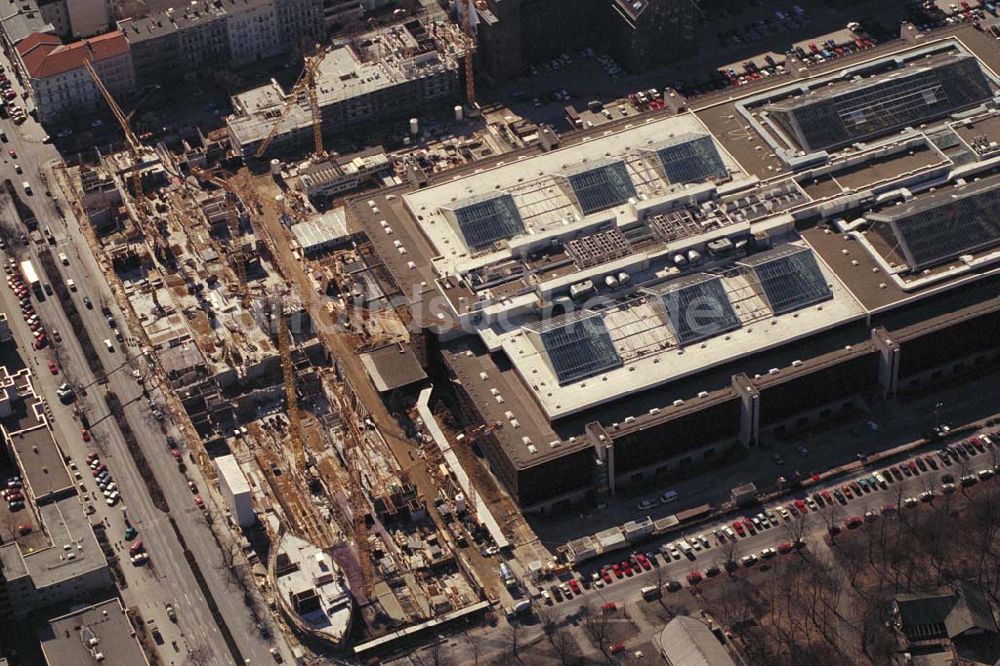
(102, 633)
(60, 561)
(649, 294)
(387, 75)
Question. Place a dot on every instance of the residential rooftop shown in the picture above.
(369, 64)
(99, 633)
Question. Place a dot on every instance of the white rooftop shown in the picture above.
(545, 204)
(316, 571)
(649, 350)
(231, 472)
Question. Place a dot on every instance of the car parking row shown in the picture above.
(783, 20)
(23, 293)
(967, 456)
(102, 477)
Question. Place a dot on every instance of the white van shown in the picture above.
(880, 479)
(650, 592)
(110, 347)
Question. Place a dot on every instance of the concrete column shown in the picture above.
(749, 409)
(604, 454)
(888, 367)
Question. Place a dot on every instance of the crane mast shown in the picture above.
(470, 82)
(359, 509)
(291, 397)
(135, 147)
(305, 85)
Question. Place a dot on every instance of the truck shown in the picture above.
(30, 276)
(506, 575)
(154, 631)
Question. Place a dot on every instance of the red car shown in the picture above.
(854, 521)
(609, 607)
(96, 472)
(617, 570)
(12, 153)
(785, 548)
(694, 577)
(738, 526)
(801, 506)
(644, 561)
(53, 367)
(606, 576)
(573, 585)
(201, 505)
(39, 343)
(616, 647)
(846, 489)
(827, 496)
(86, 436)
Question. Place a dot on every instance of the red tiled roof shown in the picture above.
(45, 55)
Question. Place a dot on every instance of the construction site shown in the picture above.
(270, 329)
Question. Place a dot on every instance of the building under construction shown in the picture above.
(378, 77)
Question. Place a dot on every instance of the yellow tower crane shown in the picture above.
(305, 85)
(135, 147)
(291, 397)
(470, 82)
(359, 508)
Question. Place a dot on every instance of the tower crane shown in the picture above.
(306, 84)
(159, 246)
(359, 509)
(470, 82)
(135, 147)
(291, 397)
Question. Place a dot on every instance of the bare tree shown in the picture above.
(795, 529)
(728, 549)
(434, 654)
(230, 561)
(595, 624)
(513, 637)
(201, 655)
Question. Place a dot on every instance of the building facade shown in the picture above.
(252, 29)
(171, 44)
(59, 82)
(640, 34)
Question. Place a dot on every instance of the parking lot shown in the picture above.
(780, 529)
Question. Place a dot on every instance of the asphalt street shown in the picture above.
(169, 578)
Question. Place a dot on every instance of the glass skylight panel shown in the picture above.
(577, 345)
(788, 277)
(483, 221)
(876, 105)
(941, 228)
(599, 186)
(696, 307)
(690, 158)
